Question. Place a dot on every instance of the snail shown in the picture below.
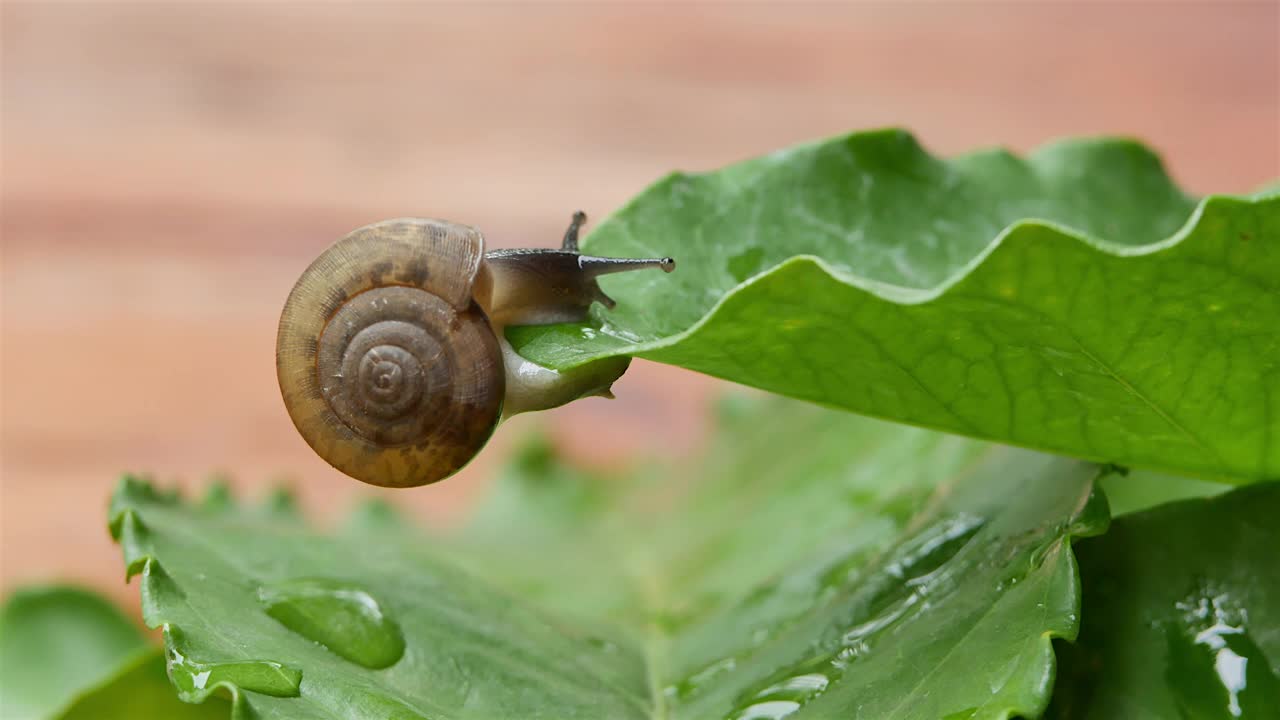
(390, 351)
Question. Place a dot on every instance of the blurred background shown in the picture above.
(168, 170)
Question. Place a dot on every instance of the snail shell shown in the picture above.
(389, 364)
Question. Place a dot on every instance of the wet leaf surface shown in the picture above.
(814, 565)
(1181, 614)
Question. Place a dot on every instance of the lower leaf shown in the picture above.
(56, 642)
(141, 691)
(1181, 610)
(816, 565)
(69, 654)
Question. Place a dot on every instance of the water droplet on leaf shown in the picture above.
(340, 616)
(195, 679)
(772, 710)
(1215, 669)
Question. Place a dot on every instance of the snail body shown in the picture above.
(390, 351)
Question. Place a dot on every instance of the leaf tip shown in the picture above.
(375, 513)
(281, 501)
(218, 496)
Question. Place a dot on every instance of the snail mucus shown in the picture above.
(390, 351)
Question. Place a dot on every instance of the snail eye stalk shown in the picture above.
(571, 235)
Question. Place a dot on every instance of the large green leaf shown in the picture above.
(818, 565)
(1075, 301)
(67, 653)
(1181, 614)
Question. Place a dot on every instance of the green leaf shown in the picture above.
(815, 560)
(69, 654)
(1075, 301)
(1130, 492)
(141, 691)
(55, 642)
(1181, 610)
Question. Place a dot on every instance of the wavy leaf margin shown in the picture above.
(781, 330)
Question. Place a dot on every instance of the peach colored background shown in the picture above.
(169, 169)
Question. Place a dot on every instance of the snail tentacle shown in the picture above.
(571, 235)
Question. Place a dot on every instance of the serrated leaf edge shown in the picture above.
(136, 545)
(1077, 529)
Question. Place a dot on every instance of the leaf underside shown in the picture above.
(885, 572)
(1074, 301)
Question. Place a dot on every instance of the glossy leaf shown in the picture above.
(872, 569)
(1075, 301)
(1181, 611)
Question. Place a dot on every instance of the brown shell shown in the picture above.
(388, 367)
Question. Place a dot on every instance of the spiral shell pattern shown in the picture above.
(388, 367)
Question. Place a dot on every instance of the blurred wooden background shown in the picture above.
(169, 169)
